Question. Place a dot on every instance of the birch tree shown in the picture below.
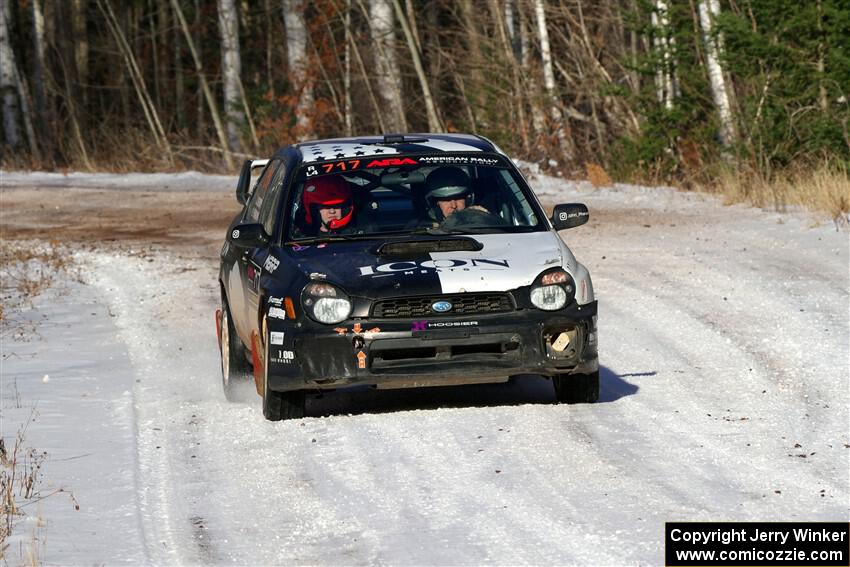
(39, 80)
(666, 85)
(8, 84)
(382, 31)
(299, 73)
(564, 141)
(708, 12)
(231, 69)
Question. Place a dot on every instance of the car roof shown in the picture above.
(389, 145)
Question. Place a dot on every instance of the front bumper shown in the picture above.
(396, 353)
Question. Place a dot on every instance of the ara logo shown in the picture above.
(442, 306)
(391, 162)
(408, 267)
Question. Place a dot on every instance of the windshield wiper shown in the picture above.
(329, 238)
(479, 229)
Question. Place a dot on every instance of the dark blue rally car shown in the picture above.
(400, 261)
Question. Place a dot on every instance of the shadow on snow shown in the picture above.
(523, 389)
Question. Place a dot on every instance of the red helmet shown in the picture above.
(326, 191)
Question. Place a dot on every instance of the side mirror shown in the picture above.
(248, 235)
(569, 215)
(244, 183)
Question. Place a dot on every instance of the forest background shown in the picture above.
(747, 97)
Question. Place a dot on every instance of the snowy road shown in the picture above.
(724, 340)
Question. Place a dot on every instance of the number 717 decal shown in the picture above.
(341, 165)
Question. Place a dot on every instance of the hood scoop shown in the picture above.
(426, 246)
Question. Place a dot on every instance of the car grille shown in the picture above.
(462, 304)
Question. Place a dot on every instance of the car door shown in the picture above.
(262, 208)
(241, 279)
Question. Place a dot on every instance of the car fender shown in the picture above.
(580, 274)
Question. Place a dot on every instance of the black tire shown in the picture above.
(235, 370)
(280, 405)
(577, 388)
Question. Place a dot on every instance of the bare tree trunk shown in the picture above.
(137, 78)
(26, 113)
(708, 11)
(433, 120)
(8, 85)
(411, 19)
(505, 28)
(537, 118)
(823, 101)
(200, 100)
(231, 69)
(219, 128)
(633, 53)
(563, 134)
(346, 77)
(296, 48)
(164, 27)
(326, 78)
(73, 113)
(511, 27)
(382, 31)
(39, 79)
(269, 43)
(476, 101)
(375, 106)
(179, 87)
(157, 96)
(251, 127)
(81, 48)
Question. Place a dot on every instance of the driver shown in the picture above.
(328, 205)
(450, 197)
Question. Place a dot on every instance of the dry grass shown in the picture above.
(20, 478)
(129, 150)
(824, 188)
(27, 269)
(597, 175)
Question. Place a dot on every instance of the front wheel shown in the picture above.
(577, 388)
(235, 370)
(280, 405)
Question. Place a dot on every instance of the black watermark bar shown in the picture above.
(763, 544)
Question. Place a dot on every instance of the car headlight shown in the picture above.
(552, 290)
(325, 303)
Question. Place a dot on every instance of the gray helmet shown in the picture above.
(447, 182)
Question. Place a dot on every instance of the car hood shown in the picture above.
(503, 262)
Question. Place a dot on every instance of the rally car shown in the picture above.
(400, 261)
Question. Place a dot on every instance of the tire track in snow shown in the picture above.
(169, 522)
(713, 395)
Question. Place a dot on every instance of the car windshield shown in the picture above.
(409, 195)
